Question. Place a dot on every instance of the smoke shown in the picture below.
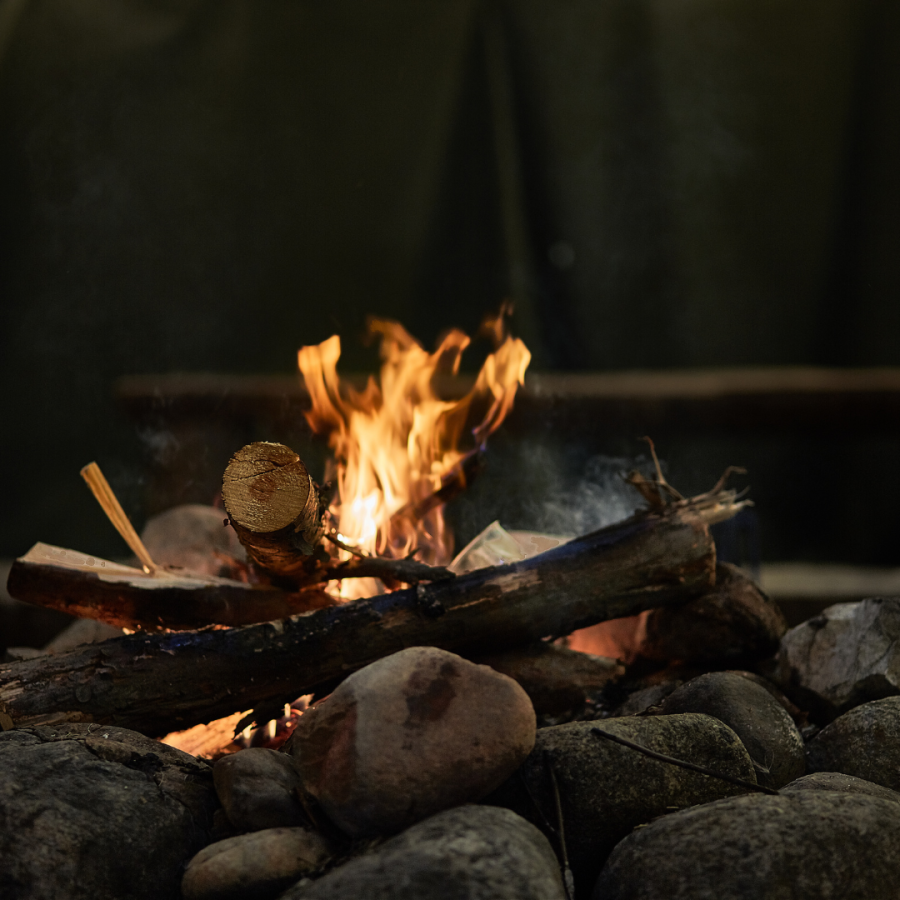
(600, 497)
(542, 486)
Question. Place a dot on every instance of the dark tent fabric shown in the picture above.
(196, 185)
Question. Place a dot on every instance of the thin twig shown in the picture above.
(719, 486)
(100, 488)
(732, 779)
(660, 478)
(568, 880)
(539, 809)
(354, 551)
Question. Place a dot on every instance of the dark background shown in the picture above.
(205, 185)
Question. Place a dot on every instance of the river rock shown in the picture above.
(556, 679)
(864, 742)
(258, 865)
(734, 623)
(837, 781)
(807, 845)
(91, 812)
(606, 789)
(195, 537)
(846, 656)
(258, 789)
(759, 720)
(467, 853)
(410, 735)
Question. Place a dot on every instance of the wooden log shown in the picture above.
(161, 683)
(93, 588)
(274, 507)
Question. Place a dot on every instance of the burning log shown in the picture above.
(276, 510)
(162, 683)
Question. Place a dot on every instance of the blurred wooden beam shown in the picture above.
(778, 400)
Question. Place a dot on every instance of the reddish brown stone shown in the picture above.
(409, 736)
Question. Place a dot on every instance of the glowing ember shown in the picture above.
(396, 441)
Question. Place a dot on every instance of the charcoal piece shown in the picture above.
(733, 623)
(98, 813)
(846, 656)
(758, 719)
(467, 853)
(864, 742)
(556, 679)
(606, 789)
(798, 846)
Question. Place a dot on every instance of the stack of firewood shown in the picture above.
(205, 647)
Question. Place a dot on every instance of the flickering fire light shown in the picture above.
(395, 441)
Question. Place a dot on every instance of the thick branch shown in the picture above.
(161, 683)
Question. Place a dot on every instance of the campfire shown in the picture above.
(356, 696)
(398, 451)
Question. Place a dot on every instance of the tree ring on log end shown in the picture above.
(266, 487)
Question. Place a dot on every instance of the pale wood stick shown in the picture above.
(100, 488)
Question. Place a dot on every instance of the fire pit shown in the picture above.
(367, 713)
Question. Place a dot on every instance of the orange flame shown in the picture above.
(396, 440)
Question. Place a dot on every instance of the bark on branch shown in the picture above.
(274, 507)
(161, 683)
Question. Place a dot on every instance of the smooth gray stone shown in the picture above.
(807, 845)
(91, 812)
(864, 742)
(837, 781)
(467, 853)
(757, 718)
(193, 537)
(258, 789)
(257, 865)
(606, 789)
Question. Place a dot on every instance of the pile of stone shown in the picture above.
(425, 775)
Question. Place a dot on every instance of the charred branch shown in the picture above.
(162, 683)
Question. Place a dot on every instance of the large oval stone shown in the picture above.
(807, 845)
(864, 742)
(258, 865)
(411, 735)
(605, 790)
(90, 812)
(468, 853)
(759, 720)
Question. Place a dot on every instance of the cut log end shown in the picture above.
(266, 488)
